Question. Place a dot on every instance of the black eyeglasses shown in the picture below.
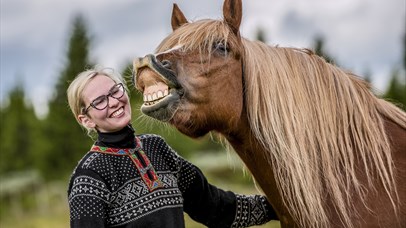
(100, 103)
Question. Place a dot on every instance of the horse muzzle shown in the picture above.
(158, 83)
(151, 62)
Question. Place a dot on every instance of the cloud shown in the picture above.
(363, 35)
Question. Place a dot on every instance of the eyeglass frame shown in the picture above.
(106, 96)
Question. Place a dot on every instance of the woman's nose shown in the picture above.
(113, 101)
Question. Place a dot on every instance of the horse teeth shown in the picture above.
(151, 99)
(160, 94)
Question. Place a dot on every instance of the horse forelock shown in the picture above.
(312, 117)
(201, 36)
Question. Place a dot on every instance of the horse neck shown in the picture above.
(252, 153)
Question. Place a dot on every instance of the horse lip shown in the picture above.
(164, 109)
(151, 62)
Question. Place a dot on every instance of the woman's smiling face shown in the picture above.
(115, 116)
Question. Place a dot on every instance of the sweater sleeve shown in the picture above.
(253, 210)
(88, 199)
(215, 207)
(212, 206)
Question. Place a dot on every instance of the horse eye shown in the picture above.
(221, 47)
(166, 63)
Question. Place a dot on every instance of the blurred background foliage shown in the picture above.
(37, 155)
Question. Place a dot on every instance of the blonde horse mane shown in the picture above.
(318, 121)
(314, 119)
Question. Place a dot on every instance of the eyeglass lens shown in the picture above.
(100, 103)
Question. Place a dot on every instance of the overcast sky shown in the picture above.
(362, 35)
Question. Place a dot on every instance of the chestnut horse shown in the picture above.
(324, 149)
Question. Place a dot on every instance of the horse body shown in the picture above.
(324, 150)
(379, 211)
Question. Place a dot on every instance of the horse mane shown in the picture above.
(200, 35)
(315, 121)
(319, 120)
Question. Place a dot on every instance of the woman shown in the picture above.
(128, 180)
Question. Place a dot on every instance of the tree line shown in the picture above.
(54, 144)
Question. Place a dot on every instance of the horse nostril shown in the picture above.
(166, 63)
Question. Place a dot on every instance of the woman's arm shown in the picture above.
(215, 207)
(210, 205)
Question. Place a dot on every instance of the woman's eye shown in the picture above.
(98, 101)
(114, 92)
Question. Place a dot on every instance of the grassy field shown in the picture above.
(59, 218)
(222, 170)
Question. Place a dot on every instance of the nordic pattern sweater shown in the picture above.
(107, 190)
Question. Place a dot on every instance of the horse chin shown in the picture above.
(164, 109)
(194, 134)
(189, 130)
(188, 125)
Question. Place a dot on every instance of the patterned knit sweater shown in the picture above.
(108, 190)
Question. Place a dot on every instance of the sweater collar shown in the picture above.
(123, 138)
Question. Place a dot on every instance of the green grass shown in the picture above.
(192, 224)
(55, 217)
(59, 218)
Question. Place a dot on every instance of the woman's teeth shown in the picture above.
(117, 113)
(150, 99)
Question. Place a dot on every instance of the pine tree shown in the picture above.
(404, 53)
(396, 91)
(367, 76)
(68, 141)
(319, 49)
(18, 123)
(260, 36)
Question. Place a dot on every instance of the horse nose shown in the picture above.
(139, 63)
(143, 61)
(155, 69)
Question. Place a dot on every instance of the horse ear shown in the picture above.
(232, 12)
(178, 19)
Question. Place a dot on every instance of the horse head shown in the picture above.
(185, 82)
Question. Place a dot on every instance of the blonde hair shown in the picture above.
(313, 117)
(76, 87)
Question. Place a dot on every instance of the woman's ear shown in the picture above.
(86, 121)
